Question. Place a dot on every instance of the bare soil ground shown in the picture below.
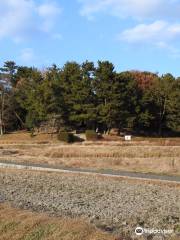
(113, 205)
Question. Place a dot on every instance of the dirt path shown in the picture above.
(106, 173)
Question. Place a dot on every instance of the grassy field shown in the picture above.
(22, 137)
(25, 137)
(137, 156)
(23, 225)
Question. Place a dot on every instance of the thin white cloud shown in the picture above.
(48, 11)
(19, 18)
(170, 49)
(15, 16)
(136, 9)
(160, 34)
(159, 31)
(157, 21)
(27, 55)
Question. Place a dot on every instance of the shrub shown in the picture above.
(66, 137)
(32, 134)
(91, 135)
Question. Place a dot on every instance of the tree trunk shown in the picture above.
(18, 117)
(162, 114)
(2, 114)
(160, 129)
(1, 128)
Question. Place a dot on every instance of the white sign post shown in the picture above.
(128, 138)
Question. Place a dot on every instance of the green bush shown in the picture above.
(66, 137)
(91, 135)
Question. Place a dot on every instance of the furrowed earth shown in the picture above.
(113, 205)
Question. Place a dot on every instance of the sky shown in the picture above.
(132, 34)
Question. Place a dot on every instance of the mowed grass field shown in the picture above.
(24, 225)
(161, 156)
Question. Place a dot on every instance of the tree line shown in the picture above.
(89, 96)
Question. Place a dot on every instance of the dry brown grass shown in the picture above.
(140, 155)
(23, 225)
(22, 137)
(154, 159)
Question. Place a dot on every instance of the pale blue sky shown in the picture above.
(133, 34)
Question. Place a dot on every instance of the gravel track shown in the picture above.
(108, 173)
(111, 204)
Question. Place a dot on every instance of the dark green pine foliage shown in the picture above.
(29, 95)
(8, 71)
(53, 97)
(126, 101)
(82, 96)
(88, 116)
(104, 88)
(161, 103)
(78, 93)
